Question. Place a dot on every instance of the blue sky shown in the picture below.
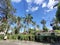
(39, 9)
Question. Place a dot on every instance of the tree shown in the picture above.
(6, 13)
(58, 11)
(54, 24)
(37, 26)
(19, 25)
(34, 24)
(44, 27)
(6, 8)
(28, 19)
(24, 28)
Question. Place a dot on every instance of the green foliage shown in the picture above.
(42, 38)
(45, 28)
(58, 13)
(31, 31)
(31, 37)
(43, 22)
(16, 31)
(13, 37)
(26, 37)
(56, 27)
(1, 37)
(22, 37)
(57, 31)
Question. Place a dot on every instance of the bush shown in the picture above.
(29, 37)
(51, 39)
(45, 28)
(14, 37)
(1, 37)
(57, 31)
(23, 37)
(37, 37)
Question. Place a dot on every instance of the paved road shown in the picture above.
(6, 42)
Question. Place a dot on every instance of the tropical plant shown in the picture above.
(43, 22)
(25, 28)
(6, 13)
(37, 26)
(18, 26)
(28, 19)
(34, 24)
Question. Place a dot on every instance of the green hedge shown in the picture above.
(14, 37)
(29, 37)
(23, 37)
(52, 38)
(26, 37)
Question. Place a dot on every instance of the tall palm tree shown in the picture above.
(43, 22)
(38, 27)
(28, 20)
(24, 28)
(34, 24)
(18, 22)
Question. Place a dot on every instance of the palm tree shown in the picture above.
(37, 26)
(28, 20)
(34, 24)
(43, 22)
(18, 22)
(25, 28)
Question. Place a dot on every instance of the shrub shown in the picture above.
(1, 37)
(37, 37)
(23, 37)
(29, 37)
(57, 31)
(14, 37)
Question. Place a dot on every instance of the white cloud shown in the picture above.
(27, 10)
(44, 5)
(50, 5)
(28, 1)
(17, 1)
(39, 2)
(34, 9)
(47, 10)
